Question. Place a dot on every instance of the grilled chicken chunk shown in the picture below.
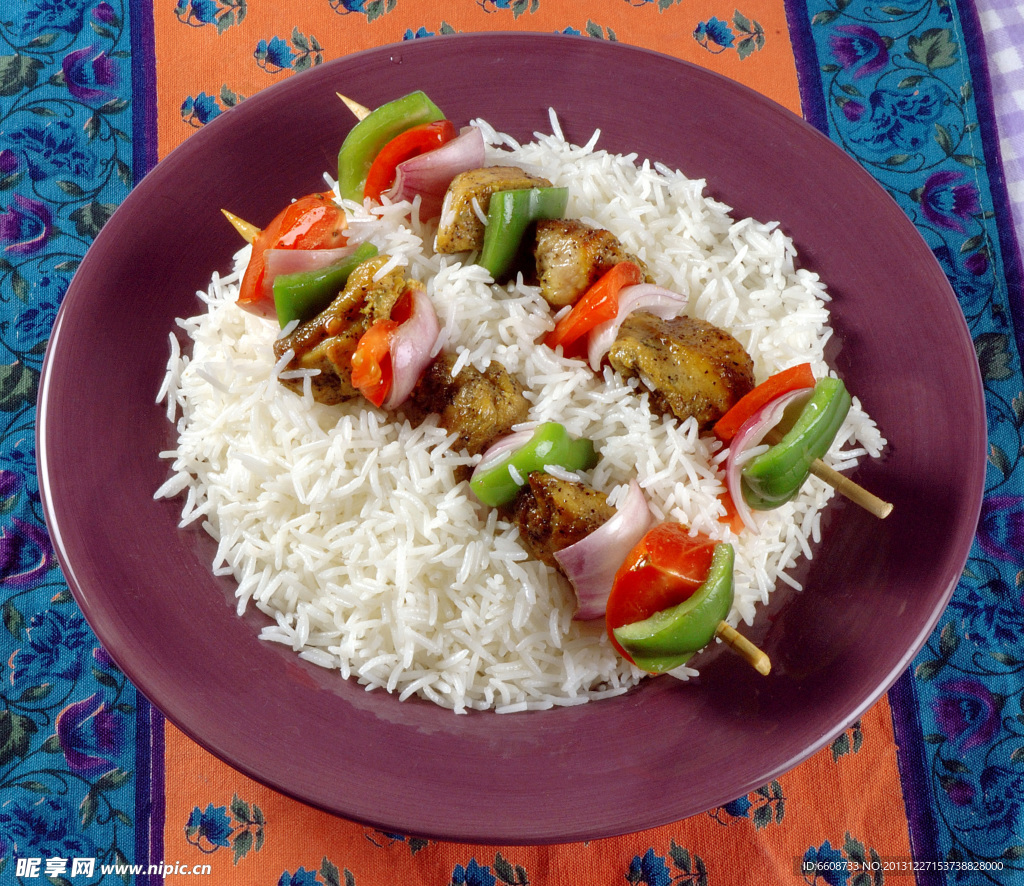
(328, 341)
(552, 514)
(571, 256)
(478, 406)
(460, 228)
(690, 367)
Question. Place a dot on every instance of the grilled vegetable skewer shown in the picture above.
(799, 417)
(663, 593)
(678, 359)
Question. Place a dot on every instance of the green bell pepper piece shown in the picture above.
(369, 135)
(509, 213)
(304, 294)
(549, 445)
(774, 477)
(670, 638)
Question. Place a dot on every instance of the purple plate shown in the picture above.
(664, 750)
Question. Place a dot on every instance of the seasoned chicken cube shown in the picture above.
(571, 256)
(478, 406)
(379, 297)
(460, 228)
(552, 514)
(328, 341)
(690, 367)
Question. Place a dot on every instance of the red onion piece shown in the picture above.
(663, 303)
(750, 434)
(429, 175)
(291, 261)
(500, 448)
(591, 563)
(410, 347)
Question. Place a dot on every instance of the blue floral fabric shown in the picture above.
(74, 733)
(900, 87)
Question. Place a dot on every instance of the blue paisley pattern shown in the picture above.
(896, 94)
(69, 720)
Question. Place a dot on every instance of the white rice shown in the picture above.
(348, 527)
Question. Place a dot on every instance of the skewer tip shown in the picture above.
(360, 111)
(852, 491)
(756, 658)
(248, 230)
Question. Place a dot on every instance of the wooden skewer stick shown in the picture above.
(854, 492)
(755, 657)
(842, 484)
(361, 111)
(248, 230)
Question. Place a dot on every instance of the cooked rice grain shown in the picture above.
(350, 528)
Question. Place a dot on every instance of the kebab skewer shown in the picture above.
(618, 296)
(504, 198)
(588, 268)
(663, 591)
(652, 642)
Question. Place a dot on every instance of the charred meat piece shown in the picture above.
(552, 514)
(379, 297)
(460, 228)
(690, 367)
(328, 341)
(571, 256)
(478, 406)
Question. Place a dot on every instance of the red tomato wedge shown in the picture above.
(732, 517)
(665, 567)
(793, 379)
(405, 146)
(597, 305)
(371, 360)
(311, 222)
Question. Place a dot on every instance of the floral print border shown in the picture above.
(69, 719)
(897, 86)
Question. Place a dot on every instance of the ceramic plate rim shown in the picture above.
(524, 818)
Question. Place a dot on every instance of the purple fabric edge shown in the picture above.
(149, 722)
(149, 790)
(144, 110)
(912, 762)
(808, 72)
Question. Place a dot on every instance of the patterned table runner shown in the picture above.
(927, 786)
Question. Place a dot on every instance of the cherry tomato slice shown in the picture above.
(599, 304)
(793, 379)
(314, 222)
(665, 567)
(371, 361)
(411, 143)
(252, 281)
(311, 222)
